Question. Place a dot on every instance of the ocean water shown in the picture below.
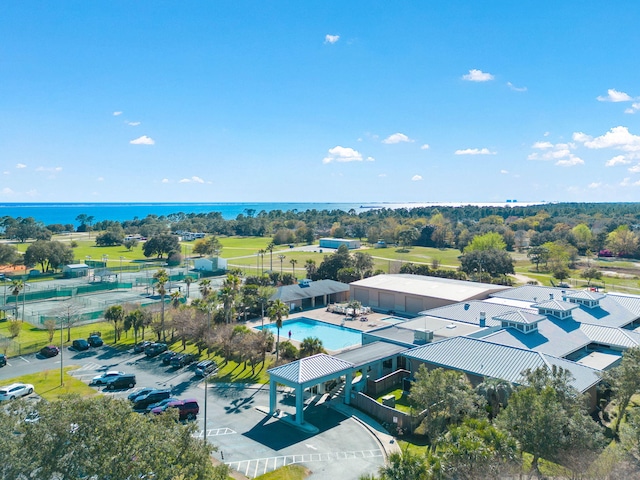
(49, 213)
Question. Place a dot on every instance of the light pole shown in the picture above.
(205, 408)
(24, 292)
(61, 354)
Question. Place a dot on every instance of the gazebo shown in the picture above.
(306, 373)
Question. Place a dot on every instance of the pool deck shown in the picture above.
(321, 314)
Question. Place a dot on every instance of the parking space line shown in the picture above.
(259, 466)
(22, 358)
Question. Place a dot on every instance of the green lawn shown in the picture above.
(290, 472)
(47, 384)
(402, 400)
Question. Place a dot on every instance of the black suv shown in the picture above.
(49, 351)
(128, 380)
(183, 359)
(167, 356)
(95, 341)
(140, 346)
(80, 344)
(3, 360)
(143, 401)
(155, 349)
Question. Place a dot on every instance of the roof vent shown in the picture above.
(551, 296)
(483, 319)
(466, 306)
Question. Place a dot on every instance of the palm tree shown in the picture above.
(281, 257)
(263, 296)
(16, 287)
(311, 346)
(162, 278)
(496, 392)
(115, 314)
(261, 253)
(175, 299)
(269, 249)
(293, 262)
(275, 312)
(188, 281)
(205, 288)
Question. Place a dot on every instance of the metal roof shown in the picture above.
(557, 305)
(520, 316)
(628, 301)
(487, 359)
(469, 312)
(291, 293)
(585, 295)
(532, 293)
(435, 287)
(370, 353)
(310, 368)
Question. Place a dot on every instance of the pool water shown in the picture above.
(333, 337)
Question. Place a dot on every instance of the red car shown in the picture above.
(49, 351)
(187, 409)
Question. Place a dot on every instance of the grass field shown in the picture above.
(47, 384)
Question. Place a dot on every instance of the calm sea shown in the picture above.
(49, 213)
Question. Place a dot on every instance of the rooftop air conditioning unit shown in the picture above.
(420, 337)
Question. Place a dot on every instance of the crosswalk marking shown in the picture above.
(259, 466)
(213, 432)
(88, 366)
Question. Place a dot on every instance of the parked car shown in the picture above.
(138, 393)
(3, 359)
(49, 351)
(80, 344)
(95, 341)
(104, 378)
(187, 409)
(15, 390)
(155, 349)
(140, 346)
(183, 359)
(127, 380)
(161, 403)
(143, 401)
(206, 367)
(167, 356)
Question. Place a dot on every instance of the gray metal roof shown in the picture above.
(557, 305)
(520, 316)
(585, 295)
(487, 359)
(532, 293)
(370, 353)
(628, 301)
(310, 368)
(291, 293)
(469, 312)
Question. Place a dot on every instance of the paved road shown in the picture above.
(247, 440)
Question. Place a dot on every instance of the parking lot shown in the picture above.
(247, 439)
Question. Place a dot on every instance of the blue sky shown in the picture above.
(272, 101)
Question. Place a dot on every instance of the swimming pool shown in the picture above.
(334, 337)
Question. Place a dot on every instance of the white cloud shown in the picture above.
(617, 160)
(570, 161)
(516, 89)
(382, 175)
(634, 169)
(342, 154)
(542, 145)
(633, 108)
(595, 185)
(581, 137)
(143, 140)
(426, 146)
(618, 138)
(504, 172)
(7, 172)
(193, 179)
(371, 159)
(628, 183)
(331, 38)
(474, 151)
(165, 180)
(546, 134)
(614, 95)
(20, 165)
(49, 169)
(416, 178)
(7, 191)
(477, 76)
(397, 138)
(133, 124)
(115, 114)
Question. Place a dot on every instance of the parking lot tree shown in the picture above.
(276, 312)
(51, 327)
(135, 320)
(15, 326)
(115, 314)
(160, 245)
(65, 444)
(161, 277)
